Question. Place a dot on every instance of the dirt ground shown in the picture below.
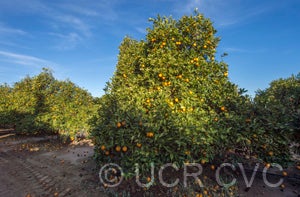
(40, 166)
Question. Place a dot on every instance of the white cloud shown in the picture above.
(9, 30)
(26, 60)
(225, 13)
(75, 23)
(79, 10)
(66, 42)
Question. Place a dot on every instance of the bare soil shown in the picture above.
(41, 166)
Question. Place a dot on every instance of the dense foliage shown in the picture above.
(277, 109)
(169, 99)
(42, 104)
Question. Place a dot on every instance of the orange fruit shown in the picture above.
(282, 186)
(160, 75)
(107, 152)
(118, 148)
(148, 179)
(212, 167)
(139, 145)
(284, 173)
(270, 153)
(298, 167)
(102, 147)
(223, 108)
(123, 123)
(150, 134)
(268, 165)
(124, 148)
(226, 74)
(176, 100)
(119, 124)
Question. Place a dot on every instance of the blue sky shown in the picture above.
(79, 39)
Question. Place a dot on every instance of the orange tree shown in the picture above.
(277, 114)
(169, 100)
(42, 104)
(6, 114)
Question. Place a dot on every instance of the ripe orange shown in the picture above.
(123, 123)
(119, 124)
(223, 108)
(267, 165)
(107, 152)
(118, 148)
(148, 179)
(160, 75)
(212, 167)
(270, 153)
(139, 145)
(226, 74)
(103, 147)
(298, 167)
(124, 148)
(176, 100)
(284, 173)
(150, 134)
(199, 195)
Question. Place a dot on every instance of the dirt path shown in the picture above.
(42, 167)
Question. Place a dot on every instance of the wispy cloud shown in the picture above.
(79, 10)
(5, 30)
(225, 13)
(26, 60)
(242, 50)
(75, 23)
(66, 42)
(77, 20)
